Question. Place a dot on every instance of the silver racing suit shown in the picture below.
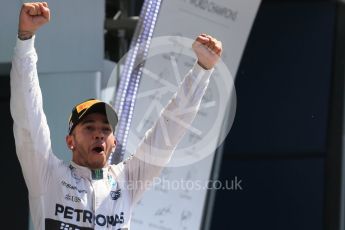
(70, 196)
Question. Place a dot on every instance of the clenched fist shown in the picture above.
(32, 16)
(208, 50)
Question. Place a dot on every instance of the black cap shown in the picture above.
(91, 106)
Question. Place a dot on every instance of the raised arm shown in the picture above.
(31, 132)
(158, 144)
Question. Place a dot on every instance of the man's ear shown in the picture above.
(115, 142)
(70, 142)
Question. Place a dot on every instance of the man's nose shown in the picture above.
(99, 134)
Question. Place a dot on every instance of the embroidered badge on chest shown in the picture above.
(115, 194)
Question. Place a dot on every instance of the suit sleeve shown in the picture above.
(31, 132)
(159, 142)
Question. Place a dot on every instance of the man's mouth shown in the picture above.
(98, 149)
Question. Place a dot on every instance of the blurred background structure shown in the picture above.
(286, 143)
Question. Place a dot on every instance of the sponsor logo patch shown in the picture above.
(115, 194)
(72, 198)
(85, 217)
(55, 224)
(69, 186)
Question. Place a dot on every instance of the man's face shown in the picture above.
(92, 141)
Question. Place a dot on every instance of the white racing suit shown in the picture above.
(70, 196)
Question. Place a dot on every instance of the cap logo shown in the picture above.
(85, 105)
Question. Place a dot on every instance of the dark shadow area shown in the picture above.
(14, 193)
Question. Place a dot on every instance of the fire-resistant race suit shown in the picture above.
(69, 196)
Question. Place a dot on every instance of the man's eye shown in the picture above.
(107, 129)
